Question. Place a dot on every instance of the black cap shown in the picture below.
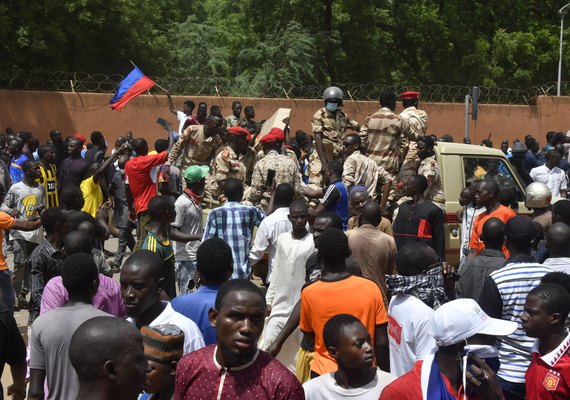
(520, 228)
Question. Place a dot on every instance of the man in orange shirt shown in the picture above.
(487, 195)
(341, 293)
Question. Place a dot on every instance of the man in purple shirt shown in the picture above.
(73, 168)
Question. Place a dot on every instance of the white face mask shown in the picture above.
(481, 350)
(332, 107)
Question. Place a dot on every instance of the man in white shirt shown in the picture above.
(416, 292)
(272, 226)
(551, 175)
(184, 117)
(141, 284)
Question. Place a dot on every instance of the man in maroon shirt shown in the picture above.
(235, 368)
(142, 188)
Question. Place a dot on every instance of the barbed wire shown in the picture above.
(43, 80)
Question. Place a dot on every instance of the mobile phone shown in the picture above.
(161, 121)
(270, 177)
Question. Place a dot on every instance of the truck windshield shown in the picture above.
(476, 168)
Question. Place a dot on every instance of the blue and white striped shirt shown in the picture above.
(512, 283)
(234, 223)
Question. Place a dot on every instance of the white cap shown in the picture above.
(460, 319)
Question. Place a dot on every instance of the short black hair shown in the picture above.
(78, 272)
(140, 145)
(237, 285)
(493, 234)
(333, 245)
(335, 327)
(554, 298)
(214, 259)
(356, 138)
(529, 142)
(387, 98)
(420, 182)
(51, 217)
(28, 165)
(248, 109)
(298, 203)
(562, 210)
(491, 185)
(107, 338)
(160, 145)
(158, 205)
(76, 218)
(235, 103)
(216, 111)
(97, 138)
(148, 261)
(77, 242)
(44, 149)
(284, 194)
(414, 258)
(336, 167)
(335, 220)
(70, 195)
(190, 104)
(17, 143)
(558, 277)
(427, 140)
(371, 213)
(300, 137)
(233, 189)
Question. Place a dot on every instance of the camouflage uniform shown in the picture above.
(361, 170)
(417, 119)
(285, 172)
(231, 120)
(227, 165)
(430, 169)
(195, 148)
(314, 169)
(332, 127)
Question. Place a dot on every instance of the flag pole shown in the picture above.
(166, 91)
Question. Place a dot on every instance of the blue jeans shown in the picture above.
(185, 272)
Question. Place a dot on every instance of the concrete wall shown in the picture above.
(39, 112)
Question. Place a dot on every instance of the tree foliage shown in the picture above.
(253, 46)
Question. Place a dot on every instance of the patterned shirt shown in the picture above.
(430, 169)
(46, 264)
(332, 126)
(166, 253)
(199, 376)
(49, 180)
(285, 172)
(234, 223)
(417, 119)
(361, 170)
(384, 131)
(195, 148)
(227, 165)
(314, 169)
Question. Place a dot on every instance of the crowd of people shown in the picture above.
(264, 265)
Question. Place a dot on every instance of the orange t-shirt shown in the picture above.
(503, 213)
(6, 222)
(324, 299)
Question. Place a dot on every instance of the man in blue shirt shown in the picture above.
(15, 147)
(531, 159)
(214, 262)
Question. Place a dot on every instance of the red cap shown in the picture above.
(274, 135)
(240, 132)
(80, 137)
(410, 95)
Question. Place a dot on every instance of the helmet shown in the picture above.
(333, 93)
(538, 195)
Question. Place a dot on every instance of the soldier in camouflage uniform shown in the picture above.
(329, 125)
(430, 169)
(359, 169)
(384, 131)
(417, 119)
(285, 170)
(227, 163)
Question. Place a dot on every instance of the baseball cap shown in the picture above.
(460, 319)
(520, 228)
(194, 173)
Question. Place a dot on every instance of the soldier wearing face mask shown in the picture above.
(329, 126)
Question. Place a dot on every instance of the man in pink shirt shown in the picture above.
(142, 188)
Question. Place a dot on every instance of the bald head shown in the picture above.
(371, 214)
(557, 239)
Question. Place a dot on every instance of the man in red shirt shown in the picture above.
(545, 311)
(142, 188)
(487, 195)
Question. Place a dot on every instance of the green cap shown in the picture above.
(195, 173)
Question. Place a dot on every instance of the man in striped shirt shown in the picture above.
(504, 295)
(48, 157)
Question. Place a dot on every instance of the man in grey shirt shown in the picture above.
(22, 201)
(52, 331)
(474, 271)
